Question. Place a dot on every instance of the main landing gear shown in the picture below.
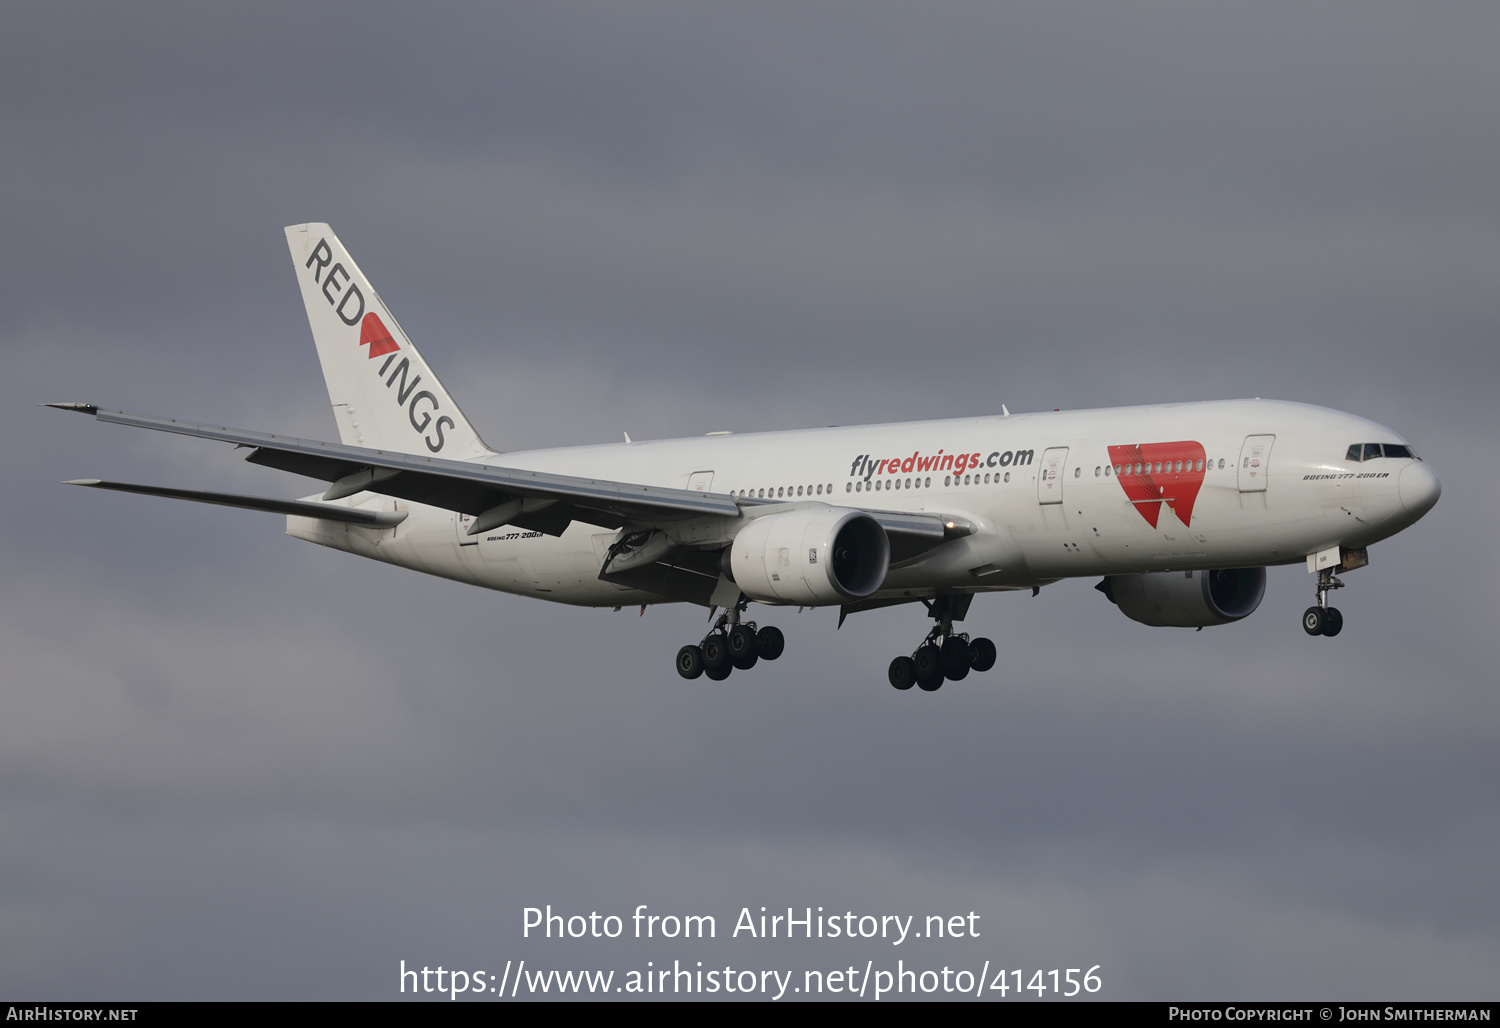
(942, 655)
(1323, 619)
(732, 644)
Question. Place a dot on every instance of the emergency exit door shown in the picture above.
(1255, 463)
(1049, 479)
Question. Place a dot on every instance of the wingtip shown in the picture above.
(83, 481)
(81, 408)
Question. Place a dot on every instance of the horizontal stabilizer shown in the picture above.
(301, 508)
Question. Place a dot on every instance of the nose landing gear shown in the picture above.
(944, 654)
(731, 644)
(1323, 619)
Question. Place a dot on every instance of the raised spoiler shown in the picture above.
(494, 495)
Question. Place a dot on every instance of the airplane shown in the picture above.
(1178, 507)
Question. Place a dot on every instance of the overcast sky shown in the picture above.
(233, 765)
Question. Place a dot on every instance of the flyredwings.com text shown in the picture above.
(851, 982)
(867, 467)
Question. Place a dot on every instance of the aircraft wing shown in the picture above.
(471, 487)
(493, 494)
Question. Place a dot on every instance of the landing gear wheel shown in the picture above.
(690, 662)
(1314, 620)
(928, 660)
(715, 655)
(982, 655)
(719, 674)
(741, 642)
(1333, 622)
(930, 684)
(903, 673)
(769, 642)
(956, 659)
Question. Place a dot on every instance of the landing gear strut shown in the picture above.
(731, 644)
(944, 654)
(1323, 619)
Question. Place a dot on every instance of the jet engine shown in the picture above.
(1187, 599)
(822, 555)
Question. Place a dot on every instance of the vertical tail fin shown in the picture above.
(383, 393)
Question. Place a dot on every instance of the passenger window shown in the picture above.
(1221, 463)
(1372, 450)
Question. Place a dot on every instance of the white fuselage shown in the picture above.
(1041, 490)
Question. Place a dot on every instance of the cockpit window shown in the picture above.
(1371, 451)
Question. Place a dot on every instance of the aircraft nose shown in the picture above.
(1419, 488)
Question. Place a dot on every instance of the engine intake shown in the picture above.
(1187, 599)
(819, 556)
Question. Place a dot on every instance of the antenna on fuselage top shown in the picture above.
(1004, 410)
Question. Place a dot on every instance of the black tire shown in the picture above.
(741, 642)
(982, 655)
(929, 661)
(903, 673)
(690, 662)
(769, 642)
(718, 674)
(956, 659)
(1314, 620)
(1333, 622)
(715, 653)
(930, 684)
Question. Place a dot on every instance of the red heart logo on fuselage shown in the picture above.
(1155, 473)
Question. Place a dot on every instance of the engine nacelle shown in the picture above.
(1187, 599)
(822, 555)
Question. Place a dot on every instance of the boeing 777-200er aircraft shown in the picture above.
(1178, 508)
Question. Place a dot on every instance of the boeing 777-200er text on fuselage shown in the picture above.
(1178, 508)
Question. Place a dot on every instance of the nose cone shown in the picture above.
(1419, 488)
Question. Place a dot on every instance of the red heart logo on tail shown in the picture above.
(374, 334)
(1156, 473)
